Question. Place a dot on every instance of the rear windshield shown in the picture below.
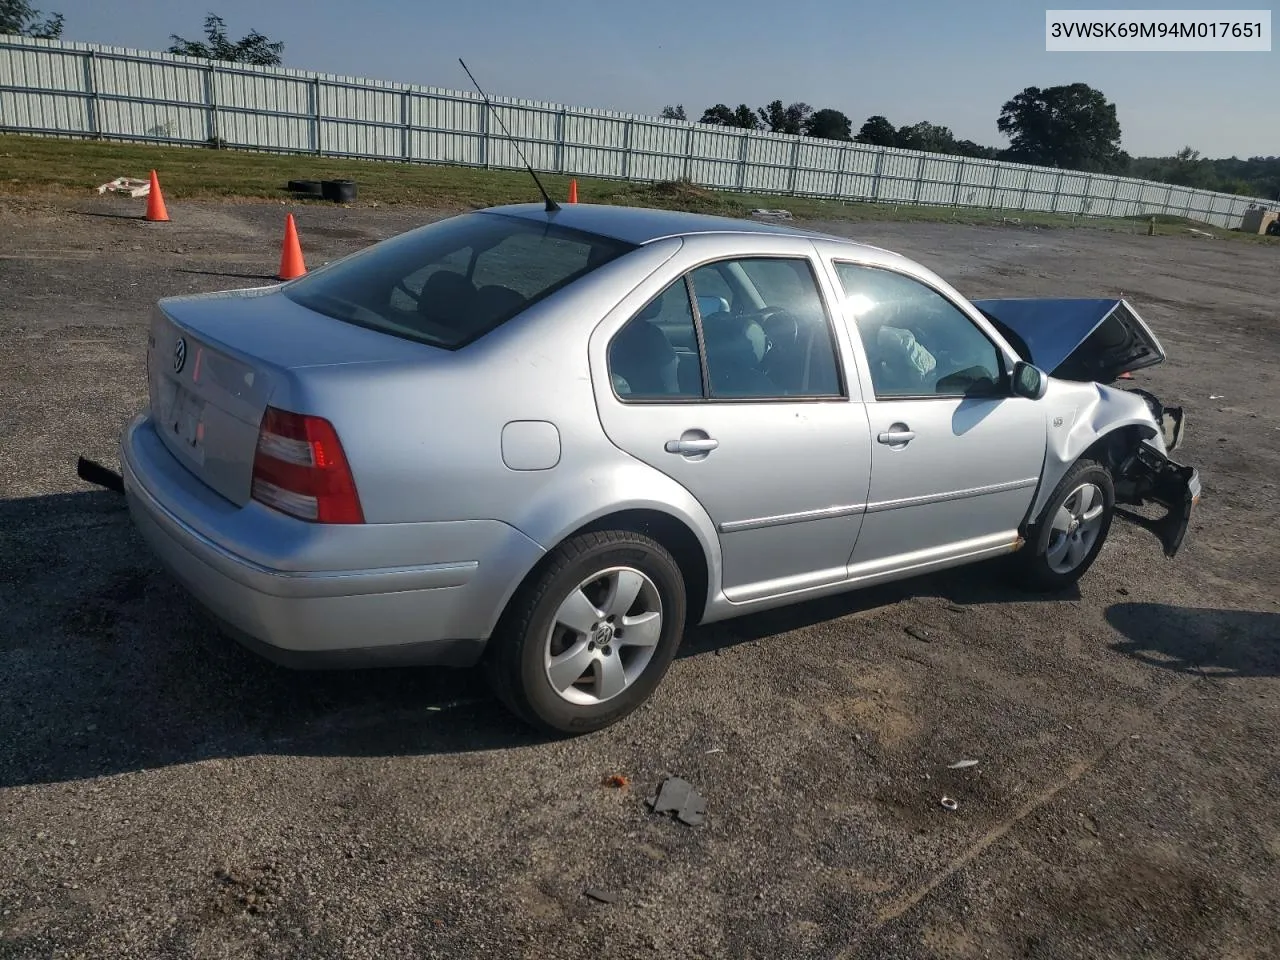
(451, 282)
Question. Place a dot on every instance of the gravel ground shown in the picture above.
(164, 793)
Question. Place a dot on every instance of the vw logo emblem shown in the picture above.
(179, 355)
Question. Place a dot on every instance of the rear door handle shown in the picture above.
(897, 435)
(687, 447)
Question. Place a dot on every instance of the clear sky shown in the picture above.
(947, 61)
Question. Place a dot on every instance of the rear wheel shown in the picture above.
(588, 638)
(1070, 531)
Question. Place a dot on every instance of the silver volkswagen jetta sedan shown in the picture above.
(548, 441)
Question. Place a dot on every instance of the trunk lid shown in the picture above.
(214, 361)
(1076, 338)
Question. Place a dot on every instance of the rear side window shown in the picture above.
(451, 282)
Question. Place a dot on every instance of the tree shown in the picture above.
(254, 48)
(721, 116)
(878, 131)
(926, 136)
(779, 119)
(1189, 169)
(673, 113)
(1070, 127)
(967, 148)
(745, 118)
(18, 17)
(828, 124)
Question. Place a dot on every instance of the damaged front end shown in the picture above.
(1100, 341)
(1144, 473)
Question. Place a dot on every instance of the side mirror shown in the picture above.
(1029, 381)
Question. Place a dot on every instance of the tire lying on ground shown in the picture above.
(306, 188)
(339, 191)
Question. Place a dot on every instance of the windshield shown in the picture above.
(451, 282)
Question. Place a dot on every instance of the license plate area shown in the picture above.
(180, 416)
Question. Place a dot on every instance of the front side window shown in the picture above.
(451, 282)
(918, 343)
(760, 332)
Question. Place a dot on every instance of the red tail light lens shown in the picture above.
(300, 469)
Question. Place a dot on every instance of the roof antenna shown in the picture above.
(552, 206)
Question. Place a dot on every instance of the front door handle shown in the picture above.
(692, 447)
(898, 435)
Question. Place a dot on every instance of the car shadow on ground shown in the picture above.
(1208, 642)
(108, 667)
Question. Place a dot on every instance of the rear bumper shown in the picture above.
(315, 596)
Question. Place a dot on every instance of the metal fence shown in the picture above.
(86, 90)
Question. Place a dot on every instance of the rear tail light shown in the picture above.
(300, 469)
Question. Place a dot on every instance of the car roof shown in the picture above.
(641, 225)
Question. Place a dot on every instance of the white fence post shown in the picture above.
(1057, 192)
(744, 151)
(875, 183)
(406, 120)
(560, 134)
(91, 87)
(626, 150)
(315, 96)
(955, 193)
(211, 95)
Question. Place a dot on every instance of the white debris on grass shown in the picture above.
(131, 186)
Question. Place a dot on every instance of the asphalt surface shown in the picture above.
(164, 793)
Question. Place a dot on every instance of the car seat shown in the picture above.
(448, 299)
(642, 356)
(734, 348)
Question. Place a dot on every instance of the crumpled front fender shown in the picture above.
(1079, 415)
(1132, 432)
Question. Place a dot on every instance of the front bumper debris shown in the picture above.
(1148, 476)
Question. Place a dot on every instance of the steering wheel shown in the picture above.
(779, 324)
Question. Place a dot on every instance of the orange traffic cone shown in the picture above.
(156, 210)
(291, 262)
(573, 191)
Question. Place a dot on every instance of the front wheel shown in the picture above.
(588, 638)
(1068, 535)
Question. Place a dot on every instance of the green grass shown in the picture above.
(43, 165)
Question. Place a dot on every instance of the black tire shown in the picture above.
(1034, 566)
(339, 191)
(306, 188)
(515, 658)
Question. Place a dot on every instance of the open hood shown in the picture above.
(1076, 339)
